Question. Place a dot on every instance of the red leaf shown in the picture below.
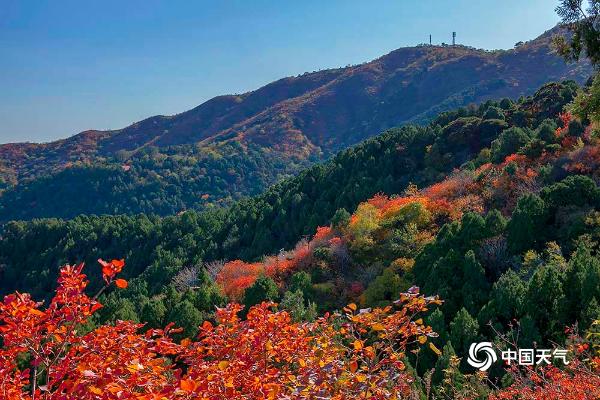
(121, 283)
(36, 312)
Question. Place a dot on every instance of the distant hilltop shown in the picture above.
(295, 121)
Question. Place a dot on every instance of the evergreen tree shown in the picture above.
(443, 362)
(294, 303)
(464, 330)
(508, 296)
(525, 229)
(475, 287)
(263, 289)
(185, 315)
(301, 281)
(495, 223)
(124, 310)
(590, 313)
(438, 324)
(585, 35)
(340, 218)
(153, 313)
(509, 142)
(545, 300)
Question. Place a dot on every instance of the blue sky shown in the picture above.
(67, 66)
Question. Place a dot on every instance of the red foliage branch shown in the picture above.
(45, 354)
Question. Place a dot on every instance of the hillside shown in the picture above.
(238, 145)
(278, 218)
(494, 208)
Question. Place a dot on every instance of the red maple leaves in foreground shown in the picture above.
(47, 353)
(576, 382)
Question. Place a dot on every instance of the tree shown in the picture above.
(508, 296)
(525, 229)
(586, 105)
(509, 142)
(495, 223)
(582, 281)
(545, 300)
(364, 221)
(381, 291)
(293, 303)
(493, 113)
(591, 312)
(436, 319)
(187, 317)
(263, 289)
(301, 281)
(546, 131)
(475, 286)
(443, 362)
(584, 25)
(125, 310)
(340, 218)
(153, 313)
(464, 330)
(187, 278)
(430, 359)
(575, 190)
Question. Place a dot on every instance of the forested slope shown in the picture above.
(159, 247)
(493, 208)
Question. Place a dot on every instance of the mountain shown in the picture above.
(495, 208)
(237, 145)
(159, 247)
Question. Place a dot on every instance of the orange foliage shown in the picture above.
(335, 242)
(550, 383)
(395, 204)
(379, 201)
(565, 119)
(236, 276)
(579, 380)
(301, 255)
(516, 158)
(276, 267)
(431, 199)
(110, 269)
(323, 234)
(444, 189)
(267, 356)
(584, 161)
(108, 363)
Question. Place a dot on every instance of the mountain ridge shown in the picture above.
(296, 121)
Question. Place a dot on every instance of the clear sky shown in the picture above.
(71, 65)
